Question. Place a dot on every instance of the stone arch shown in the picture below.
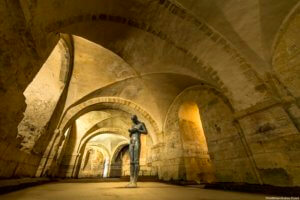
(109, 102)
(171, 7)
(199, 87)
(149, 29)
(237, 62)
(117, 150)
(116, 168)
(103, 125)
(286, 56)
(93, 131)
(84, 141)
(112, 130)
(219, 127)
(43, 95)
(66, 67)
(284, 26)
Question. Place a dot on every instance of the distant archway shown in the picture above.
(82, 149)
(100, 103)
(119, 162)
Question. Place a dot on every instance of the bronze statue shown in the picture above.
(135, 132)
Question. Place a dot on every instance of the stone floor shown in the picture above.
(116, 190)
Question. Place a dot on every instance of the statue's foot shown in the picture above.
(131, 185)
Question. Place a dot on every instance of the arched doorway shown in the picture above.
(196, 159)
(120, 165)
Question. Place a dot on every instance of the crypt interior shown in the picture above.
(216, 82)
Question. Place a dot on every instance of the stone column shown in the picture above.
(47, 155)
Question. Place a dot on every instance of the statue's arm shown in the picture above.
(143, 129)
(132, 130)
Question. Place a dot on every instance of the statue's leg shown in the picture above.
(131, 173)
(137, 150)
(136, 172)
(131, 155)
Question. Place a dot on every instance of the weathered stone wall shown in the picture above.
(42, 96)
(93, 163)
(258, 145)
(274, 142)
(21, 57)
(197, 162)
(24, 152)
(286, 60)
(226, 150)
(286, 66)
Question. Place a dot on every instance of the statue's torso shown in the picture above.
(135, 136)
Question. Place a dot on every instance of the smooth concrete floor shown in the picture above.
(117, 191)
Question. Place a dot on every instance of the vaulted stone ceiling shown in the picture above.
(161, 36)
(237, 60)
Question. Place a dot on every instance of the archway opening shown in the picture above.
(93, 165)
(121, 163)
(196, 159)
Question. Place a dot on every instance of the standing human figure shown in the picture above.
(135, 132)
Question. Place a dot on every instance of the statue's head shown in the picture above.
(135, 119)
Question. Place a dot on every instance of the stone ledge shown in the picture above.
(9, 185)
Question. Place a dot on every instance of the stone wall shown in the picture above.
(93, 164)
(274, 142)
(254, 146)
(197, 161)
(286, 65)
(21, 57)
(42, 96)
(226, 154)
